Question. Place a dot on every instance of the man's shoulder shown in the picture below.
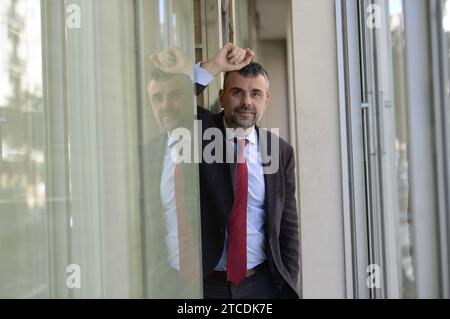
(208, 118)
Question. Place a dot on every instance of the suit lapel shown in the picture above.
(153, 165)
(228, 151)
(270, 181)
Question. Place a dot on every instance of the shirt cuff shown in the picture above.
(201, 76)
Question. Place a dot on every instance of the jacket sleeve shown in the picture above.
(289, 237)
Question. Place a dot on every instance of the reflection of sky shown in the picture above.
(4, 53)
(30, 50)
(395, 7)
(161, 12)
(395, 14)
(446, 19)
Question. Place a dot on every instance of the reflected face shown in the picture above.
(172, 101)
(244, 100)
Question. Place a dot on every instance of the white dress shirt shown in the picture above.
(167, 184)
(256, 194)
(167, 191)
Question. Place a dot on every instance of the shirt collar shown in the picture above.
(171, 141)
(230, 134)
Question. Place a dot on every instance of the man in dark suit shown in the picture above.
(249, 223)
(272, 247)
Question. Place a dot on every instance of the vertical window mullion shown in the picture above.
(440, 78)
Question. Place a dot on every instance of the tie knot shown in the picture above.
(240, 142)
(175, 142)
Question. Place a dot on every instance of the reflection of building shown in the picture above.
(16, 64)
(4, 53)
(12, 69)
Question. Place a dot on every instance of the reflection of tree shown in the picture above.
(23, 140)
(24, 118)
(22, 132)
(402, 159)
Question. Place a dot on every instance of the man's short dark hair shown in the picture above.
(253, 69)
(161, 76)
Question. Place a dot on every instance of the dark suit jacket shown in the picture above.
(216, 201)
(161, 279)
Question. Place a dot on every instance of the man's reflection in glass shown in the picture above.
(172, 223)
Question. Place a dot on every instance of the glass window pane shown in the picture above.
(405, 248)
(77, 187)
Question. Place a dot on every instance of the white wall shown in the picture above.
(318, 148)
(273, 58)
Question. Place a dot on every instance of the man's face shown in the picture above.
(172, 102)
(244, 99)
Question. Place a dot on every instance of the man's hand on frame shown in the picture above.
(229, 58)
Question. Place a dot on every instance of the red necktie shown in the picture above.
(237, 228)
(187, 248)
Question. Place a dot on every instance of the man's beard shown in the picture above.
(233, 116)
(175, 118)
